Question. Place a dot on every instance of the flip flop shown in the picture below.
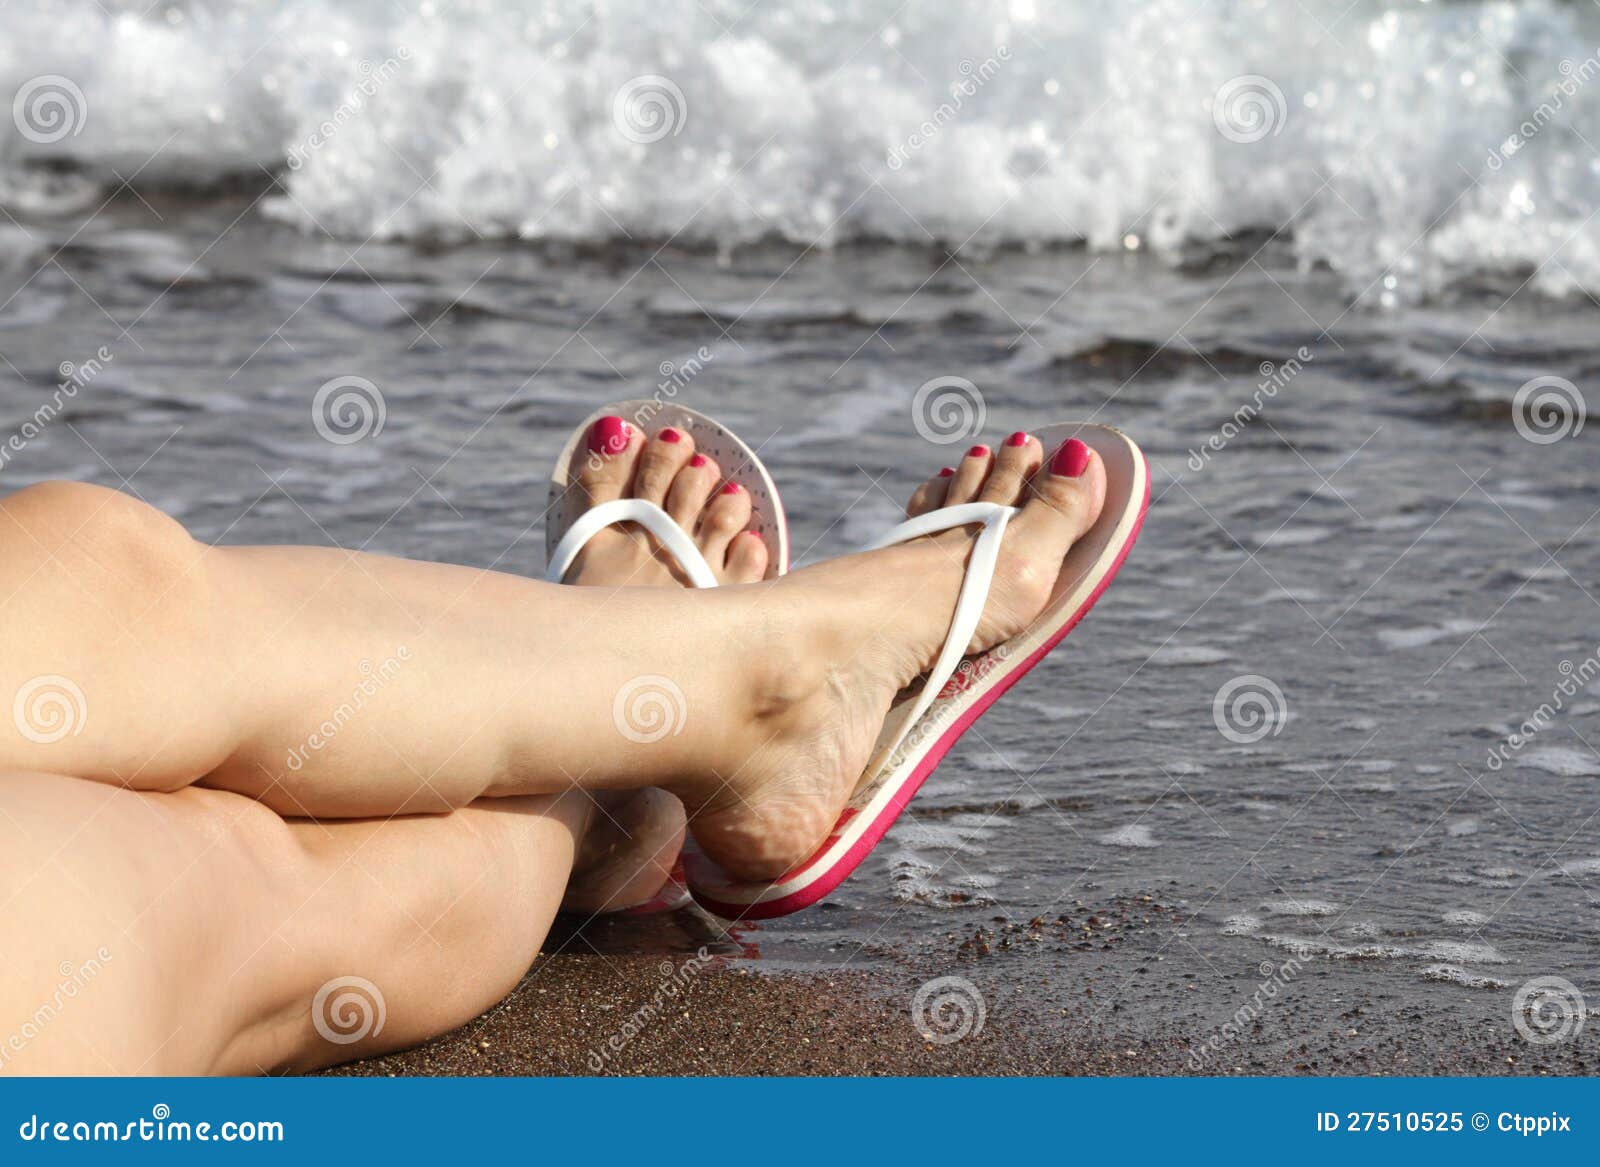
(926, 720)
(570, 523)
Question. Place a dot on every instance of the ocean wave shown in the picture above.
(1411, 147)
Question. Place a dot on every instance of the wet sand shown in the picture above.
(681, 1013)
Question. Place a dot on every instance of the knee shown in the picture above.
(93, 529)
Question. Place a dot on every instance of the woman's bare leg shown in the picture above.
(329, 683)
(321, 681)
(198, 932)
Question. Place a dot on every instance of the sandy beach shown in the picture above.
(1050, 1007)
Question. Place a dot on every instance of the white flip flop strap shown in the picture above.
(673, 538)
(974, 590)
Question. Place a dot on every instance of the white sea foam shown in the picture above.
(1132, 835)
(984, 122)
(1562, 760)
(1290, 906)
(1455, 975)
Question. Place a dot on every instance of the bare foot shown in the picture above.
(843, 638)
(634, 837)
(663, 468)
(628, 850)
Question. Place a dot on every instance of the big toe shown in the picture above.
(1068, 490)
(607, 468)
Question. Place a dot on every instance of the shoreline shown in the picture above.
(711, 1013)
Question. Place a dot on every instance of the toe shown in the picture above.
(613, 450)
(1016, 462)
(747, 559)
(662, 457)
(930, 495)
(969, 476)
(690, 489)
(1070, 489)
(725, 516)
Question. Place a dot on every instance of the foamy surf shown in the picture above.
(1412, 148)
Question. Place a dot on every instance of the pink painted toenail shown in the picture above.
(698, 460)
(946, 472)
(978, 452)
(730, 488)
(670, 435)
(609, 435)
(1070, 459)
(1017, 439)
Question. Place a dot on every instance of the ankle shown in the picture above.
(782, 645)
